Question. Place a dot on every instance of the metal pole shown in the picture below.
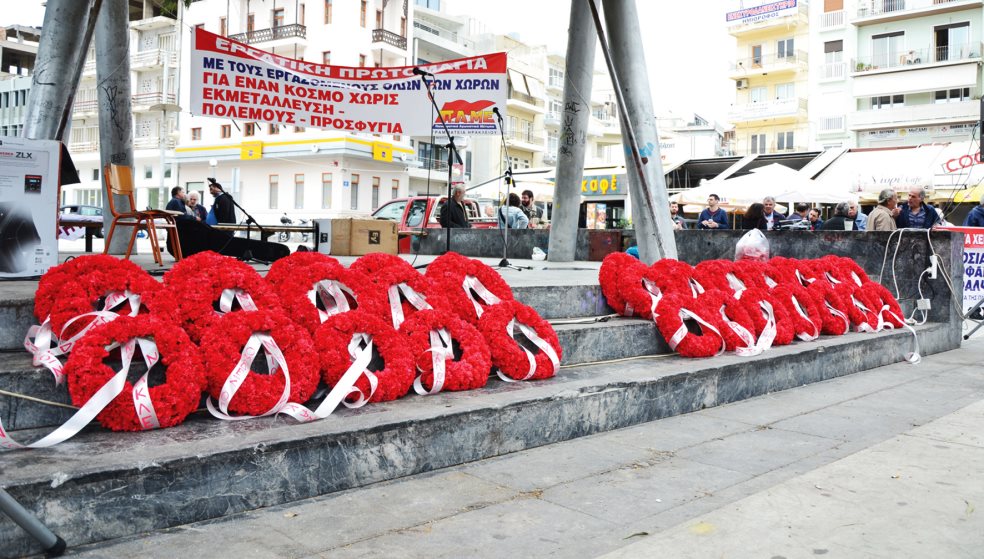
(113, 85)
(61, 53)
(647, 186)
(578, 76)
(52, 545)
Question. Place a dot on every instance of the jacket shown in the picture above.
(457, 217)
(881, 220)
(975, 218)
(720, 217)
(903, 221)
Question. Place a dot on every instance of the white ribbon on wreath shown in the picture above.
(539, 342)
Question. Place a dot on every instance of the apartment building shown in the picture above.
(18, 50)
(895, 72)
(770, 71)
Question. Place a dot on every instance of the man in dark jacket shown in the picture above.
(837, 223)
(223, 208)
(454, 210)
(917, 213)
(177, 203)
(976, 216)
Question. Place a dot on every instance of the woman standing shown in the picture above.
(755, 217)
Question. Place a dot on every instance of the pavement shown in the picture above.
(883, 463)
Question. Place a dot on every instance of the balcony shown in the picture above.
(780, 109)
(142, 102)
(769, 64)
(552, 119)
(281, 32)
(389, 38)
(916, 58)
(152, 142)
(550, 157)
(829, 125)
(833, 71)
(883, 11)
(786, 13)
(155, 58)
(524, 101)
(930, 114)
(526, 140)
(832, 20)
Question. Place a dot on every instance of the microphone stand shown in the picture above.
(452, 154)
(508, 178)
(248, 253)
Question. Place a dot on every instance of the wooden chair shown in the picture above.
(119, 182)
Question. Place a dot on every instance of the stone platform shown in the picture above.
(102, 485)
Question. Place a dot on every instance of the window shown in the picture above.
(327, 12)
(403, 27)
(354, 203)
(416, 214)
(274, 128)
(885, 49)
(95, 174)
(756, 56)
(298, 129)
(833, 57)
(222, 26)
(758, 94)
(300, 14)
(784, 49)
(887, 101)
(392, 211)
(362, 17)
(757, 143)
(274, 194)
(249, 129)
(299, 191)
(196, 134)
(375, 192)
(395, 189)
(952, 42)
(278, 17)
(784, 141)
(167, 171)
(325, 191)
(953, 95)
(556, 77)
(226, 131)
(833, 5)
(362, 61)
(379, 19)
(250, 23)
(326, 57)
(784, 90)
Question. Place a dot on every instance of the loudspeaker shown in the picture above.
(19, 238)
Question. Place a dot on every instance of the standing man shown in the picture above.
(815, 222)
(916, 213)
(801, 213)
(529, 208)
(177, 203)
(678, 222)
(882, 218)
(713, 217)
(771, 217)
(222, 209)
(453, 213)
(857, 215)
(976, 216)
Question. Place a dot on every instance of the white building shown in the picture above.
(18, 50)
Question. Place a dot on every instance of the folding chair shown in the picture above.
(119, 182)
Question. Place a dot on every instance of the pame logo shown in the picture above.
(468, 112)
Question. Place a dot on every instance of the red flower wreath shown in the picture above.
(195, 285)
(804, 310)
(332, 339)
(172, 401)
(610, 277)
(449, 280)
(834, 309)
(752, 299)
(671, 312)
(638, 290)
(865, 310)
(720, 309)
(843, 269)
(880, 296)
(392, 281)
(81, 285)
(375, 262)
(752, 274)
(507, 354)
(713, 274)
(783, 270)
(469, 372)
(296, 280)
(222, 348)
(643, 292)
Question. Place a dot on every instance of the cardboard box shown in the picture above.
(356, 237)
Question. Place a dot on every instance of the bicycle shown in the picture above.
(284, 236)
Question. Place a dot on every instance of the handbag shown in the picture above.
(210, 218)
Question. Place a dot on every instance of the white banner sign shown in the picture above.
(237, 81)
(28, 206)
(973, 263)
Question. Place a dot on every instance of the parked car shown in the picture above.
(84, 213)
(409, 213)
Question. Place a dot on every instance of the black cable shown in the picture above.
(423, 221)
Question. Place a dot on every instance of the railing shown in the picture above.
(155, 57)
(390, 38)
(869, 8)
(272, 34)
(82, 147)
(433, 164)
(528, 99)
(917, 57)
(525, 136)
(436, 30)
(552, 119)
(768, 109)
(924, 114)
(152, 142)
(829, 124)
(759, 62)
(833, 71)
(832, 20)
(550, 156)
(153, 98)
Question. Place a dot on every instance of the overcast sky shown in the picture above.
(686, 45)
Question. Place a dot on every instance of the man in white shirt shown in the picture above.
(772, 217)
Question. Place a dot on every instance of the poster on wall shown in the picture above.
(973, 263)
(234, 80)
(28, 206)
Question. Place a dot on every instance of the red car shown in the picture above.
(410, 212)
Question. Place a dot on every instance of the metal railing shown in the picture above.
(390, 38)
(272, 34)
(436, 30)
(918, 57)
(755, 63)
(155, 57)
(433, 164)
(528, 137)
(869, 8)
(528, 99)
(828, 124)
(768, 109)
(831, 20)
(833, 71)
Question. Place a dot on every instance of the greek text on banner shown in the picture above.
(237, 81)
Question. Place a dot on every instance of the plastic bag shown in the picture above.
(752, 246)
(538, 254)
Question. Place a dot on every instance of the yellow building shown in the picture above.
(770, 73)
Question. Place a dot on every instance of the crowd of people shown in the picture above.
(518, 212)
(888, 215)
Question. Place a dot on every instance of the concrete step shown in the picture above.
(104, 485)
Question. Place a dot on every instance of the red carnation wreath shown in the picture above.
(468, 285)
(752, 274)
(372, 263)
(783, 270)
(713, 274)
(865, 310)
(881, 297)
(223, 348)
(396, 293)
(313, 286)
(674, 311)
(730, 317)
(804, 310)
(752, 299)
(610, 277)
(513, 360)
(843, 269)
(333, 341)
(431, 336)
(198, 286)
(834, 308)
(640, 293)
(164, 405)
